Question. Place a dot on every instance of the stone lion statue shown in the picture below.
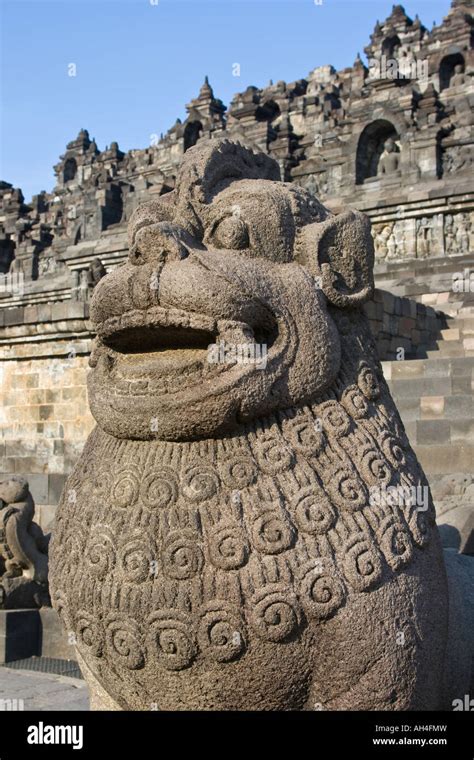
(225, 540)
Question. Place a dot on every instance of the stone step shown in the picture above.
(445, 458)
(437, 367)
(421, 386)
(447, 349)
(440, 432)
(465, 324)
(466, 310)
(451, 334)
(452, 408)
(468, 345)
(452, 310)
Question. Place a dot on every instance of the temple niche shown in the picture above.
(192, 133)
(269, 111)
(7, 251)
(391, 46)
(70, 170)
(378, 153)
(451, 71)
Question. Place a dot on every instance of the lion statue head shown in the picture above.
(231, 257)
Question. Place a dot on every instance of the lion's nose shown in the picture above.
(158, 243)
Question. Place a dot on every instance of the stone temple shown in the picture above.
(392, 139)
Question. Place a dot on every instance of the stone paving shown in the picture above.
(41, 691)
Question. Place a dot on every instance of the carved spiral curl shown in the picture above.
(228, 547)
(375, 468)
(136, 555)
(354, 402)
(367, 382)
(334, 418)
(272, 533)
(170, 640)
(395, 543)
(419, 524)
(159, 489)
(124, 642)
(313, 510)
(238, 471)
(182, 556)
(125, 489)
(100, 554)
(346, 489)
(393, 450)
(220, 632)
(321, 591)
(361, 562)
(275, 613)
(304, 437)
(200, 482)
(273, 455)
(90, 634)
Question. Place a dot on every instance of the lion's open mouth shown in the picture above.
(158, 350)
(153, 338)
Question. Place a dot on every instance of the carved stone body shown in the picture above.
(225, 540)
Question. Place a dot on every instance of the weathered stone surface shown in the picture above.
(225, 540)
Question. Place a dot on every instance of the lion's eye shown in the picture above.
(231, 233)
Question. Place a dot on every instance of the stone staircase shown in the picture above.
(434, 394)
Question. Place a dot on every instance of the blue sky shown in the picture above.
(139, 61)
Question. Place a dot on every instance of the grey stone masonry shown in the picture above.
(391, 136)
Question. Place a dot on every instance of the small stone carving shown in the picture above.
(424, 237)
(23, 548)
(47, 266)
(449, 243)
(382, 233)
(461, 226)
(390, 159)
(389, 241)
(96, 272)
(226, 540)
(400, 239)
(85, 280)
(458, 78)
(456, 158)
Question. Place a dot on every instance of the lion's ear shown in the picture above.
(340, 253)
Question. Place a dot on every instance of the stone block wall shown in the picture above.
(45, 420)
(402, 323)
(44, 414)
